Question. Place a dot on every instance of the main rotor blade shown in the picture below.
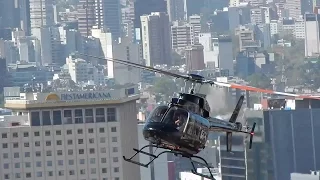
(266, 91)
(141, 67)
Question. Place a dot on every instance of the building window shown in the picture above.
(69, 132)
(90, 131)
(46, 119)
(39, 174)
(71, 172)
(6, 176)
(48, 143)
(15, 135)
(102, 140)
(103, 150)
(114, 139)
(103, 160)
(104, 170)
(82, 171)
(82, 161)
(4, 135)
(89, 115)
(4, 146)
(36, 133)
(116, 169)
(50, 173)
(100, 116)
(111, 114)
(59, 142)
(92, 160)
(17, 175)
(49, 163)
(57, 120)
(91, 150)
(47, 133)
(35, 119)
(59, 153)
(25, 134)
(27, 154)
(80, 141)
(26, 144)
(28, 164)
(38, 153)
(78, 116)
(115, 159)
(49, 153)
(38, 164)
(17, 165)
(28, 175)
(16, 155)
(81, 151)
(60, 162)
(58, 132)
(69, 142)
(80, 131)
(91, 140)
(114, 149)
(114, 129)
(61, 173)
(71, 162)
(101, 130)
(15, 145)
(67, 114)
(37, 143)
(5, 155)
(93, 171)
(70, 151)
(6, 166)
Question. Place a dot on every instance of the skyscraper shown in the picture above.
(175, 9)
(143, 7)
(156, 38)
(85, 13)
(41, 13)
(294, 7)
(108, 15)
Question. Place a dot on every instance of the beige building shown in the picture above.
(70, 136)
(156, 38)
(195, 57)
(181, 35)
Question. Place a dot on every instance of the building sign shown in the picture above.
(85, 96)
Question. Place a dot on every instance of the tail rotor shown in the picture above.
(251, 135)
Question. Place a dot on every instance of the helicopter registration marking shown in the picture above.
(203, 135)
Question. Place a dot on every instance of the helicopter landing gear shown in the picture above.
(176, 153)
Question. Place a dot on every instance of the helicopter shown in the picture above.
(182, 127)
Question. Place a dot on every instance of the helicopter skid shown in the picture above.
(175, 152)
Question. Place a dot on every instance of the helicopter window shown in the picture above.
(157, 114)
(177, 117)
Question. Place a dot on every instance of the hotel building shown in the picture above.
(70, 136)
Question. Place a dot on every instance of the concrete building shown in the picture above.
(29, 49)
(294, 7)
(41, 13)
(156, 38)
(315, 175)
(49, 38)
(210, 52)
(195, 21)
(175, 9)
(194, 58)
(84, 72)
(70, 135)
(108, 16)
(86, 16)
(181, 35)
(312, 39)
(106, 48)
(233, 165)
(225, 61)
(158, 170)
(126, 50)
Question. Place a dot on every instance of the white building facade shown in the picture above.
(70, 136)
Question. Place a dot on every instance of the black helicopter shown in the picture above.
(182, 127)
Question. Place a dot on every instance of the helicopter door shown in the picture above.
(177, 117)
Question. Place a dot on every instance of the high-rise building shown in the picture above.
(143, 7)
(156, 38)
(41, 13)
(194, 57)
(86, 16)
(175, 10)
(181, 35)
(294, 7)
(70, 135)
(108, 16)
(312, 41)
(131, 52)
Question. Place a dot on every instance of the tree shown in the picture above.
(165, 85)
(260, 81)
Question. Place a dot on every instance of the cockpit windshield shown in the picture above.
(177, 117)
(157, 114)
